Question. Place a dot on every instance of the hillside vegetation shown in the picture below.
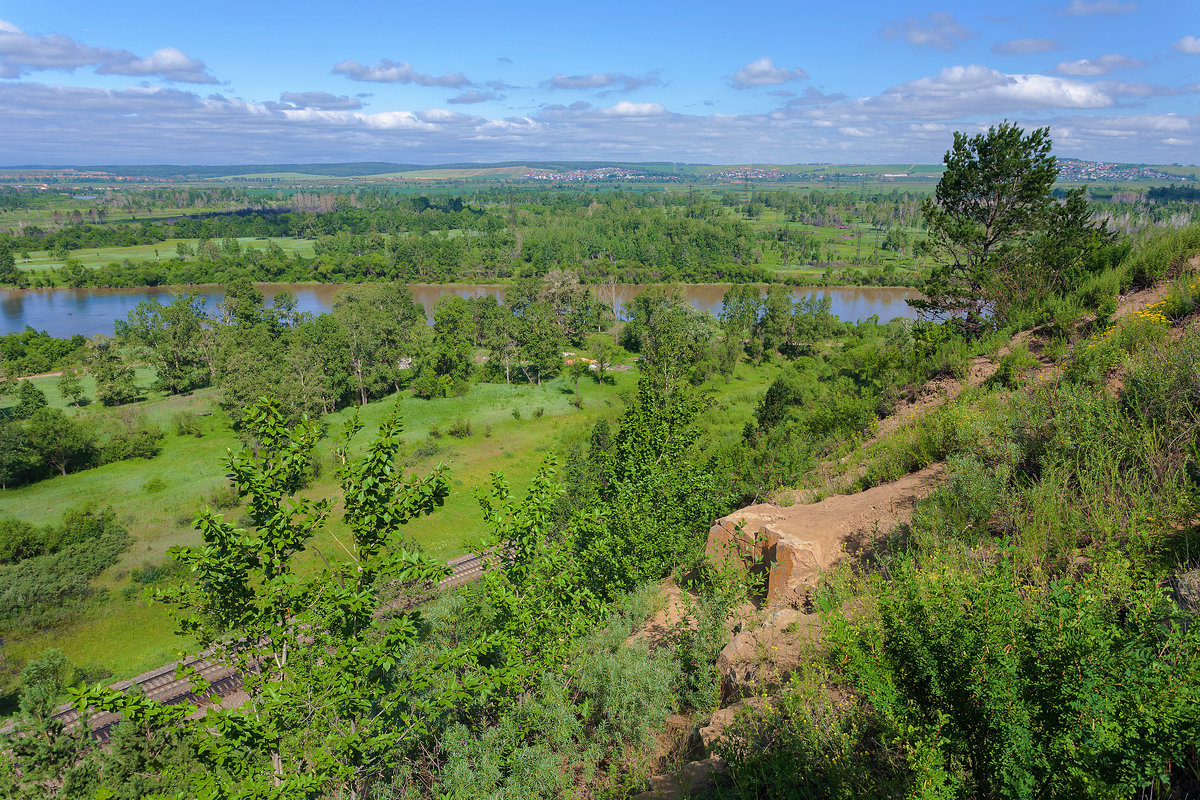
(1022, 628)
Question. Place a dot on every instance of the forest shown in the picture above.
(194, 236)
(1027, 631)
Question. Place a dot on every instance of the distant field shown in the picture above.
(445, 174)
(274, 176)
(100, 256)
(44, 216)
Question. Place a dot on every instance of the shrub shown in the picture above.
(427, 449)
(154, 485)
(630, 688)
(50, 673)
(131, 437)
(1012, 367)
(223, 497)
(460, 429)
(1160, 256)
(186, 424)
(516, 413)
(1074, 690)
(19, 540)
(45, 588)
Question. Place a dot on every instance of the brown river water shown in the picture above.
(65, 312)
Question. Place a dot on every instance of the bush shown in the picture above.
(223, 497)
(1012, 367)
(630, 688)
(49, 673)
(45, 588)
(460, 429)
(1160, 257)
(186, 424)
(154, 485)
(130, 437)
(19, 540)
(1077, 690)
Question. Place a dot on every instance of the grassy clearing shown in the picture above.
(126, 635)
(93, 257)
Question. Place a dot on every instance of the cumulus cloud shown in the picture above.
(611, 81)
(169, 62)
(938, 30)
(763, 72)
(967, 91)
(1189, 45)
(1098, 66)
(980, 89)
(323, 101)
(813, 97)
(628, 109)
(1020, 47)
(473, 96)
(912, 121)
(22, 53)
(1083, 8)
(386, 71)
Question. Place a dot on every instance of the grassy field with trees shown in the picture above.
(1029, 634)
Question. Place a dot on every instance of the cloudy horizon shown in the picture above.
(81, 84)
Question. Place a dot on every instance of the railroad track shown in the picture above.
(162, 686)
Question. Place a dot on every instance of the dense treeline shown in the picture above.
(31, 352)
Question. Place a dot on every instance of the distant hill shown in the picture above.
(1073, 170)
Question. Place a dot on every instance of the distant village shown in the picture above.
(748, 175)
(1070, 169)
(597, 174)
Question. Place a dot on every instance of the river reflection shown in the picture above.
(66, 312)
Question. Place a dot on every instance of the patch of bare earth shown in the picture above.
(792, 544)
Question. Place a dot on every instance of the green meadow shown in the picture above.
(512, 429)
(99, 256)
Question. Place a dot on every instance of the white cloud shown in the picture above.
(910, 122)
(976, 89)
(473, 96)
(1020, 47)
(1098, 66)
(386, 71)
(169, 62)
(939, 30)
(323, 101)
(628, 109)
(1083, 8)
(1189, 45)
(763, 72)
(812, 97)
(612, 81)
(22, 53)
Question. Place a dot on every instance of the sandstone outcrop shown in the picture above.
(794, 543)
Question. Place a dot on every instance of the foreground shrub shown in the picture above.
(992, 687)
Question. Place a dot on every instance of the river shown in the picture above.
(66, 312)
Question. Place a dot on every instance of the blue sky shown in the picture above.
(796, 82)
